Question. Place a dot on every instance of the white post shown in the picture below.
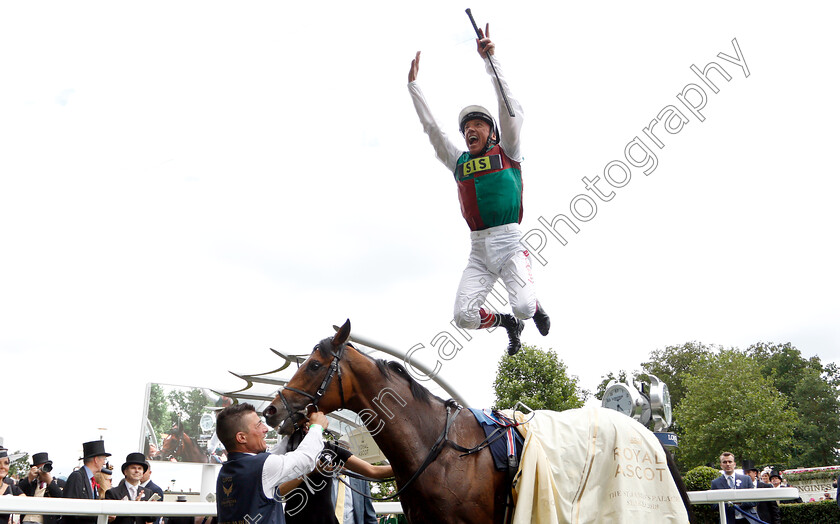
(722, 508)
(209, 472)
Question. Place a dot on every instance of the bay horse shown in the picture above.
(417, 432)
(177, 446)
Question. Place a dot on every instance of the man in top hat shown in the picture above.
(81, 484)
(768, 510)
(731, 480)
(776, 481)
(40, 483)
(129, 488)
(489, 180)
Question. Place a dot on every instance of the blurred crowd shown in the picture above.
(93, 480)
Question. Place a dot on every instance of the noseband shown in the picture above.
(334, 370)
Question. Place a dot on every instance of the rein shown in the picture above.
(333, 370)
(434, 451)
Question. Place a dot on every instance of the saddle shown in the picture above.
(504, 441)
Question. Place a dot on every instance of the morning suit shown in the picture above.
(155, 489)
(121, 492)
(768, 510)
(363, 512)
(741, 482)
(78, 486)
(53, 490)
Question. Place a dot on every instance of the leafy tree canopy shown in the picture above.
(730, 405)
(538, 379)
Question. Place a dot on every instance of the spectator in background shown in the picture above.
(731, 480)
(103, 481)
(768, 510)
(129, 488)
(776, 480)
(40, 483)
(7, 486)
(838, 484)
(81, 484)
(146, 481)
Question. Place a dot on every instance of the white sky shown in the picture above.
(186, 184)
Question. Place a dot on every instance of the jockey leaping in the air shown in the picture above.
(489, 182)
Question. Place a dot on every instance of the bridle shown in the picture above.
(334, 370)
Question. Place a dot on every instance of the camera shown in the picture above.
(106, 471)
(47, 467)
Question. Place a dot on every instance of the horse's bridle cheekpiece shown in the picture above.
(333, 370)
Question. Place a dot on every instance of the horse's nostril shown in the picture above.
(270, 411)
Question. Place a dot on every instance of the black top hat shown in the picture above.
(41, 458)
(135, 458)
(749, 465)
(94, 448)
(775, 473)
(3, 453)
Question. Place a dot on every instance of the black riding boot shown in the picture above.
(514, 328)
(541, 320)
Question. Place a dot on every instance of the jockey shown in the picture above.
(489, 181)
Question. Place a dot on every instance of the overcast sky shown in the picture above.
(186, 184)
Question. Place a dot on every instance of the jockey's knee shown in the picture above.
(467, 319)
(524, 311)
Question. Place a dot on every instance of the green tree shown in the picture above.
(817, 435)
(158, 414)
(19, 466)
(812, 391)
(189, 405)
(784, 364)
(538, 379)
(672, 364)
(729, 405)
(610, 377)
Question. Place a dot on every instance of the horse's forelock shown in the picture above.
(325, 348)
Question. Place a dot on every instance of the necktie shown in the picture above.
(94, 485)
(339, 500)
(731, 483)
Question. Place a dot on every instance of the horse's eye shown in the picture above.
(314, 366)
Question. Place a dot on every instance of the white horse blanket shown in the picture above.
(592, 465)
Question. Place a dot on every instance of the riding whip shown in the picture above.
(490, 58)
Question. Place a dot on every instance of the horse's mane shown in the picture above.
(386, 367)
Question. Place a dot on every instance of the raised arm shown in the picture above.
(509, 125)
(445, 150)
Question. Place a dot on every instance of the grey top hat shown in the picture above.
(94, 448)
(135, 458)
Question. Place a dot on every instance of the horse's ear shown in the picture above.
(342, 336)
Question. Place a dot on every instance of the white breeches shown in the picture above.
(496, 253)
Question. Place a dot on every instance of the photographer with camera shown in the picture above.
(40, 483)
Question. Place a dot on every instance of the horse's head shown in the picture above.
(169, 447)
(317, 384)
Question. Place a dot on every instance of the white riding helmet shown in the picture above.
(480, 113)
